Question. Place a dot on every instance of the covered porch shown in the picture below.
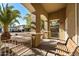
(65, 14)
(59, 24)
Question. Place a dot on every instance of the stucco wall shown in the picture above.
(78, 22)
(61, 15)
(70, 16)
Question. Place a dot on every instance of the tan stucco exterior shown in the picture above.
(39, 11)
(61, 15)
(66, 15)
(78, 22)
(70, 15)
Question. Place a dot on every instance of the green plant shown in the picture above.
(28, 20)
(7, 15)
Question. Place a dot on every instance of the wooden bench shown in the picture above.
(66, 49)
(76, 52)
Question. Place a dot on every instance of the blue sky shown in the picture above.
(22, 10)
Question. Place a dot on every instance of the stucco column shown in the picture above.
(62, 30)
(46, 29)
(72, 22)
(36, 41)
(49, 32)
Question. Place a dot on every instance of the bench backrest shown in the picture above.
(71, 45)
(76, 52)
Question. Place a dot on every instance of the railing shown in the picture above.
(11, 47)
(7, 46)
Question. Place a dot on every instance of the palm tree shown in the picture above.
(7, 15)
(28, 21)
(12, 24)
(14, 21)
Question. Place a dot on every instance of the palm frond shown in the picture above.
(8, 14)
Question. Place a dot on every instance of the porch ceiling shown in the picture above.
(49, 7)
(52, 7)
(29, 7)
